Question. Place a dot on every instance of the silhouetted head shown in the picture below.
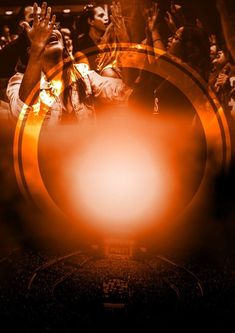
(92, 17)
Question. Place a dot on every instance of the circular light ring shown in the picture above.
(209, 111)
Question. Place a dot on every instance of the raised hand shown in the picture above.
(177, 12)
(170, 22)
(42, 27)
(221, 80)
(152, 28)
(152, 19)
(38, 35)
(118, 22)
(106, 36)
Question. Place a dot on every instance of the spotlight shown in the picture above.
(8, 12)
(66, 11)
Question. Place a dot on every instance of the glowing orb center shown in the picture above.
(118, 184)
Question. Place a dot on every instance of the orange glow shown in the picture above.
(119, 179)
(173, 179)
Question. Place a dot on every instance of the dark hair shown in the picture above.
(81, 22)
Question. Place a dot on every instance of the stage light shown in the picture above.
(8, 12)
(66, 11)
(118, 182)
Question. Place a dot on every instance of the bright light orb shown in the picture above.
(118, 184)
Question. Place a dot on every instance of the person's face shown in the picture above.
(55, 45)
(100, 20)
(174, 45)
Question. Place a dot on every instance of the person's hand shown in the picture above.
(170, 22)
(152, 19)
(106, 36)
(42, 27)
(177, 12)
(118, 22)
(221, 80)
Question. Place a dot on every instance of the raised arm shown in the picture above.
(153, 31)
(38, 36)
(119, 23)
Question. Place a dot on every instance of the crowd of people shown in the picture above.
(93, 46)
(66, 75)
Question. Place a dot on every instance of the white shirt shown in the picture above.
(108, 90)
